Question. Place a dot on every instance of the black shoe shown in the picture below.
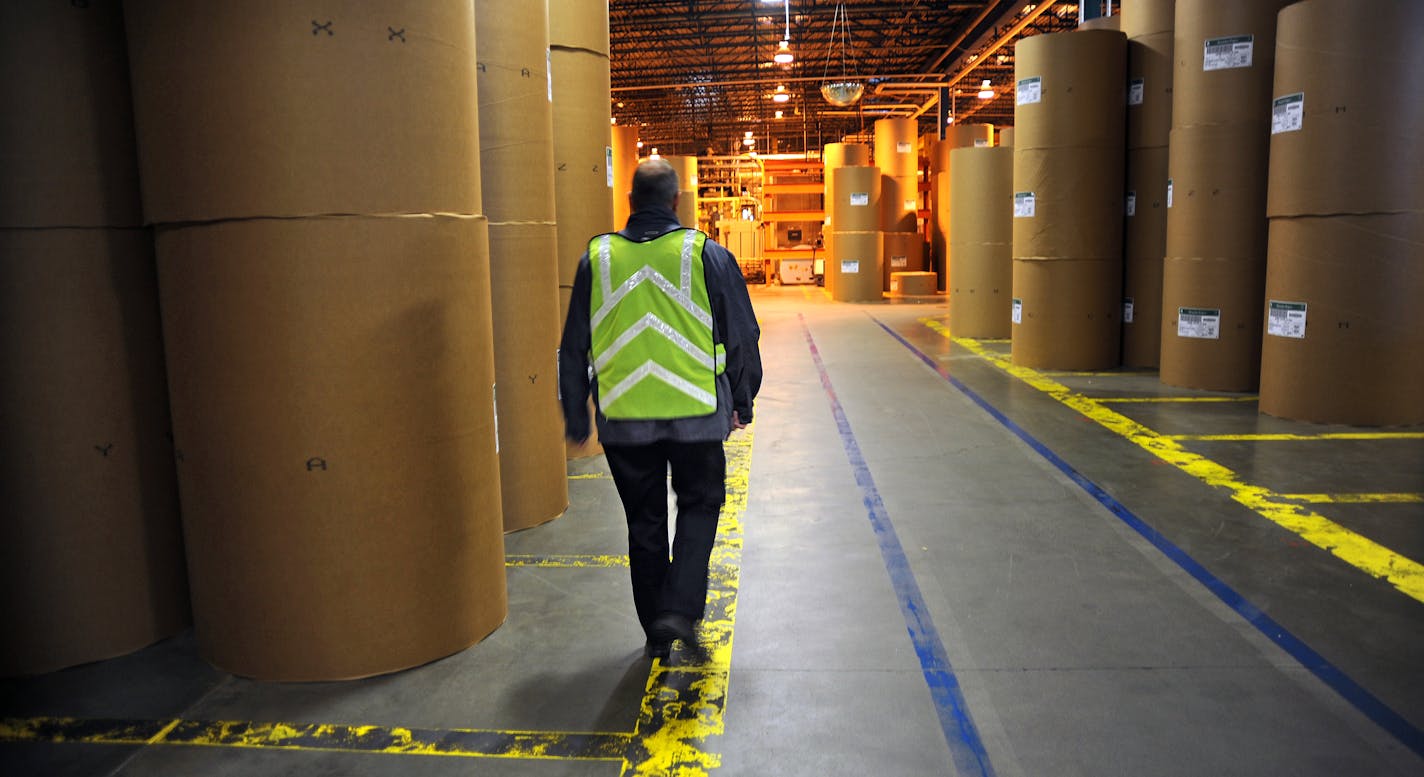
(671, 626)
(657, 650)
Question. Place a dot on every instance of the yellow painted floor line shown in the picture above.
(683, 706)
(321, 737)
(592, 476)
(567, 561)
(1357, 499)
(1205, 400)
(1295, 437)
(1091, 374)
(1361, 552)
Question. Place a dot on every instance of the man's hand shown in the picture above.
(737, 421)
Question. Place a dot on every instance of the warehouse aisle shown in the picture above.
(909, 581)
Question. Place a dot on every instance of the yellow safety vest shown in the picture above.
(653, 349)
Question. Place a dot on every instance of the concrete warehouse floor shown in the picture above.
(929, 565)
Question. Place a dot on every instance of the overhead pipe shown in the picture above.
(1000, 42)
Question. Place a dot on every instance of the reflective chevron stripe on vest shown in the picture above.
(653, 349)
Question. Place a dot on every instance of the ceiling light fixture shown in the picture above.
(778, 114)
(986, 92)
(783, 53)
(781, 95)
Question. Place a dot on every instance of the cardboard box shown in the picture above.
(1233, 84)
(1144, 246)
(1149, 90)
(1069, 313)
(92, 562)
(1077, 203)
(859, 257)
(67, 154)
(1347, 116)
(1141, 18)
(1079, 97)
(857, 195)
(332, 385)
(579, 24)
(981, 290)
(1354, 358)
(902, 252)
(1217, 201)
(583, 182)
(267, 108)
(1226, 355)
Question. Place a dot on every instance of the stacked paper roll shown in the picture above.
(1346, 204)
(897, 156)
(583, 164)
(855, 270)
(1068, 199)
(834, 156)
(92, 563)
(1148, 25)
(1214, 273)
(332, 375)
(517, 160)
(955, 136)
(625, 162)
(982, 230)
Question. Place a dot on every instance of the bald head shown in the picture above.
(654, 185)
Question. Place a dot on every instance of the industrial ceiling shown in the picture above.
(697, 75)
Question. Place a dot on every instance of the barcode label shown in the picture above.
(1017, 315)
(1227, 53)
(1132, 203)
(1286, 319)
(981, 143)
(1288, 113)
(1169, 192)
(1199, 323)
(902, 147)
(1023, 205)
(899, 261)
(850, 266)
(1030, 90)
(1135, 89)
(1127, 310)
(860, 198)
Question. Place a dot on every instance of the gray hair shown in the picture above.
(654, 184)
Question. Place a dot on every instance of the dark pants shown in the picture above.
(699, 471)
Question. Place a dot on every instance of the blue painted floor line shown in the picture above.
(965, 746)
(1361, 699)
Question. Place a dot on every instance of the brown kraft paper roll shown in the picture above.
(1141, 18)
(1216, 207)
(1229, 288)
(583, 188)
(1077, 203)
(337, 449)
(1144, 246)
(1343, 333)
(92, 564)
(381, 120)
(579, 24)
(1069, 313)
(1081, 89)
(856, 207)
(981, 242)
(1230, 83)
(1149, 105)
(857, 268)
(625, 161)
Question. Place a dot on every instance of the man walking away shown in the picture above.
(661, 331)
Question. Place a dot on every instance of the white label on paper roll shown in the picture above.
(1132, 203)
(693, 180)
(1288, 113)
(1199, 323)
(1227, 53)
(1135, 89)
(1030, 90)
(902, 147)
(1127, 310)
(894, 284)
(1286, 319)
(981, 143)
(494, 397)
(608, 163)
(1023, 205)
(911, 204)
(1017, 315)
(899, 261)
(549, 71)
(850, 266)
(860, 198)
(1169, 192)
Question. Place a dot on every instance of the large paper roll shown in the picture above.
(856, 207)
(1071, 90)
(583, 177)
(624, 143)
(579, 24)
(1224, 51)
(333, 413)
(1144, 246)
(1216, 204)
(1211, 322)
(902, 252)
(857, 266)
(92, 563)
(1140, 18)
(1068, 204)
(269, 108)
(981, 241)
(1149, 101)
(1068, 313)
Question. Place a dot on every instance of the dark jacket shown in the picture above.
(734, 325)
